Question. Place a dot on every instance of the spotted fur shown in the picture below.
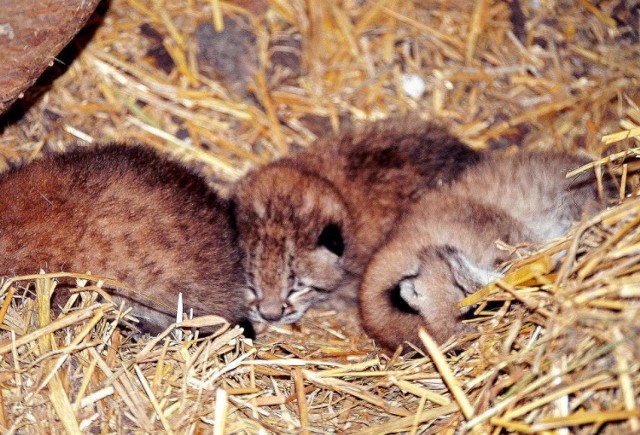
(127, 213)
(358, 181)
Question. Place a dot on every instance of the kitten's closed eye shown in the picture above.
(331, 238)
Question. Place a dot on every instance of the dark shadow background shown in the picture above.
(62, 63)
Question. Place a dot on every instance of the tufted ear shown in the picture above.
(468, 275)
(397, 301)
(331, 238)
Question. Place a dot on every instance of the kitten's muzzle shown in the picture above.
(271, 312)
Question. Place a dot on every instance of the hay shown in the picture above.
(560, 351)
(558, 347)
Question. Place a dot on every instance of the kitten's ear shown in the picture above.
(398, 301)
(331, 238)
(468, 275)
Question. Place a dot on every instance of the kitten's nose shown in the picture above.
(271, 312)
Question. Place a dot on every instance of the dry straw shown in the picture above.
(556, 349)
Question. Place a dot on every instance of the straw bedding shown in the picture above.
(558, 346)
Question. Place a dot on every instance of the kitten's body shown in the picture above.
(126, 213)
(309, 223)
(444, 247)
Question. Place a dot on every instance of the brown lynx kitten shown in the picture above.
(308, 223)
(127, 213)
(444, 247)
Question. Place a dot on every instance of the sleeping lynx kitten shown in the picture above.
(130, 214)
(308, 223)
(444, 247)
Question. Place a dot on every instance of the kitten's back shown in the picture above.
(386, 165)
(124, 212)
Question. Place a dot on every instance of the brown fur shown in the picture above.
(444, 248)
(359, 182)
(127, 213)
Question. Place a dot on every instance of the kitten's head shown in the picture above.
(409, 285)
(294, 233)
